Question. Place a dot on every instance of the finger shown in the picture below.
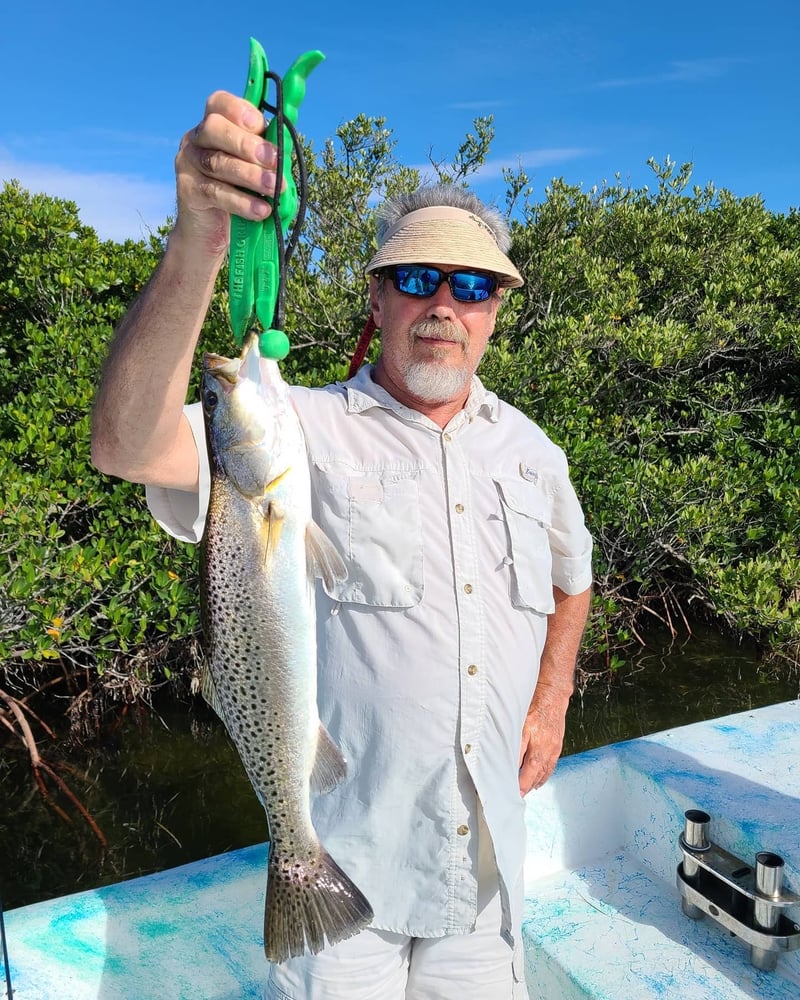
(530, 774)
(217, 131)
(237, 110)
(225, 152)
(199, 189)
(222, 147)
(232, 125)
(535, 771)
(209, 193)
(221, 165)
(526, 784)
(223, 168)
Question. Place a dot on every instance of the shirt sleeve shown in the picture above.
(182, 513)
(570, 542)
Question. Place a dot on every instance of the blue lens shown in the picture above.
(422, 281)
(471, 286)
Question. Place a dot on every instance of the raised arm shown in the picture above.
(138, 428)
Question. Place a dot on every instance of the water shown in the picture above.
(169, 788)
(667, 685)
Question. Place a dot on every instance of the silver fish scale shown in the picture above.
(243, 636)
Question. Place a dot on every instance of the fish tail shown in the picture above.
(310, 904)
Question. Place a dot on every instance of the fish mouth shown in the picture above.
(230, 370)
(223, 369)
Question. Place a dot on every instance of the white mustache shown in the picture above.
(437, 329)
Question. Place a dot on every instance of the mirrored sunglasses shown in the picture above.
(423, 281)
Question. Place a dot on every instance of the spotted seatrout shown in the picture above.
(259, 556)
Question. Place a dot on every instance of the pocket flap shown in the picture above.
(526, 499)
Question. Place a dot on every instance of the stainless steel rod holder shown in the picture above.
(750, 902)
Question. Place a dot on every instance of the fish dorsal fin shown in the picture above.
(322, 555)
(329, 765)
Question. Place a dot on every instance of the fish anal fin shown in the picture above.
(321, 555)
(329, 765)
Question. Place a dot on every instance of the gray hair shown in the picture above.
(435, 196)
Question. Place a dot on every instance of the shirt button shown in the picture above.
(467, 588)
(459, 508)
(472, 670)
(463, 830)
(447, 437)
(467, 747)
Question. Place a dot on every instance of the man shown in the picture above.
(446, 658)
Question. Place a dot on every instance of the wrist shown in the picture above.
(557, 692)
(199, 249)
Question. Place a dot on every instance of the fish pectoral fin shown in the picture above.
(273, 523)
(329, 766)
(321, 555)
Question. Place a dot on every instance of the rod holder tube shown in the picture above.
(769, 873)
(695, 836)
(695, 831)
(769, 882)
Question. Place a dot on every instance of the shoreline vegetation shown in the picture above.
(657, 340)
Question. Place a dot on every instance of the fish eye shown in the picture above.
(210, 398)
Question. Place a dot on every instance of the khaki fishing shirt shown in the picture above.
(429, 651)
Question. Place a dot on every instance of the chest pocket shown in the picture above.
(373, 518)
(527, 514)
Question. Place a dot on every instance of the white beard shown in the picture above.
(434, 382)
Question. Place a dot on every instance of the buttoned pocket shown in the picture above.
(527, 514)
(373, 518)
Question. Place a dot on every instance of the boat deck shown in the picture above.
(603, 915)
(189, 933)
(602, 918)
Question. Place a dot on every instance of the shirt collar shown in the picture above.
(363, 393)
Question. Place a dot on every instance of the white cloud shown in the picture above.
(681, 71)
(117, 206)
(531, 159)
(528, 159)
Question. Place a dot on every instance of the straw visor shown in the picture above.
(445, 235)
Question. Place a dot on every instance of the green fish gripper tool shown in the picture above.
(260, 251)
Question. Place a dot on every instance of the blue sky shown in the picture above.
(97, 95)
